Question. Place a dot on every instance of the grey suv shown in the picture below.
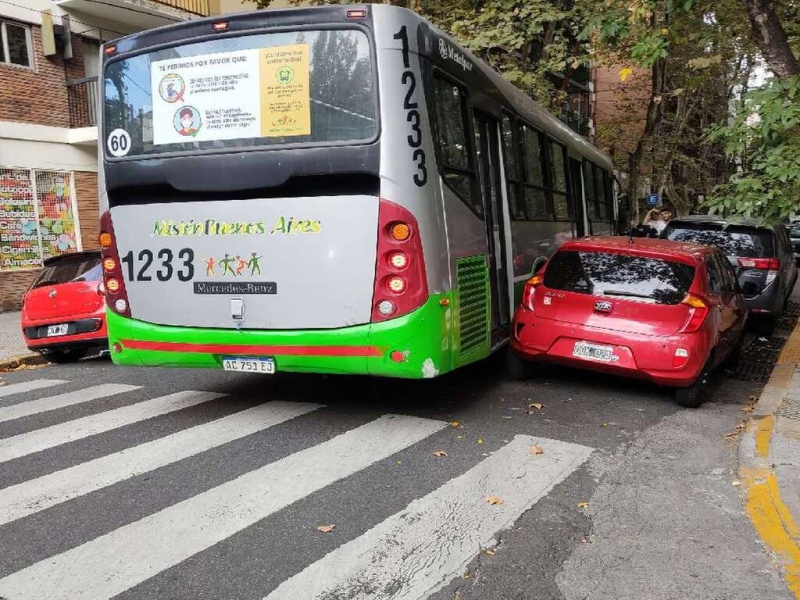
(762, 256)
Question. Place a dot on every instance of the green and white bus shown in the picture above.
(339, 189)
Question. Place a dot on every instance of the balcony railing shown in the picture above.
(198, 7)
(82, 95)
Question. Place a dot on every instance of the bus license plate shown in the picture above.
(248, 365)
(54, 330)
(593, 351)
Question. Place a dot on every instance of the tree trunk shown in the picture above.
(771, 38)
(652, 120)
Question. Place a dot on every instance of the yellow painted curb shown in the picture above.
(791, 350)
(771, 518)
(774, 525)
(764, 429)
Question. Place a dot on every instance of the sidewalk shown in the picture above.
(769, 464)
(11, 343)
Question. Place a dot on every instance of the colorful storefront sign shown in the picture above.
(37, 217)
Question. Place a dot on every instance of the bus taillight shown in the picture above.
(401, 283)
(116, 294)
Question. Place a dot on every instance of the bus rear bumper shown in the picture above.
(414, 346)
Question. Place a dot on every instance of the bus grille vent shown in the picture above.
(473, 308)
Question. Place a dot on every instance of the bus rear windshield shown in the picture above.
(304, 87)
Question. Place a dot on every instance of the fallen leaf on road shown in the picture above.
(736, 483)
(494, 500)
(583, 504)
(455, 424)
(536, 405)
(440, 453)
(737, 430)
(326, 528)
(490, 552)
(536, 450)
(480, 440)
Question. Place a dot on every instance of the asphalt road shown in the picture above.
(162, 484)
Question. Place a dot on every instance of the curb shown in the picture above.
(15, 362)
(771, 518)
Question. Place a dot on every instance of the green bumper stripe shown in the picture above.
(424, 337)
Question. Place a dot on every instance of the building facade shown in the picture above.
(49, 66)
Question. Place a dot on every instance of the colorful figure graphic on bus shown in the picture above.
(254, 265)
(241, 264)
(187, 121)
(210, 266)
(225, 263)
(172, 88)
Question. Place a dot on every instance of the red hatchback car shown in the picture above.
(64, 311)
(651, 309)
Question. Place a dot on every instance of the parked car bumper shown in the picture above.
(82, 330)
(636, 356)
(766, 303)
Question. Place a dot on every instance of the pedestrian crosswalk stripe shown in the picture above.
(28, 386)
(420, 549)
(34, 407)
(70, 431)
(114, 562)
(32, 496)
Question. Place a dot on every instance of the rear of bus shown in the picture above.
(249, 219)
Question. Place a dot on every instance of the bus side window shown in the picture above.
(458, 171)
(563, 209)
(512, 167)
(537, 195)
(600, 191)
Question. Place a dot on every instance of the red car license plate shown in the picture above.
(593, 351)
(54, 330)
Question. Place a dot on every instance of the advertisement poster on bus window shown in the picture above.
(232, 95)
(19, 234)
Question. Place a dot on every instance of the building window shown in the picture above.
(38, 210)
(15, 48)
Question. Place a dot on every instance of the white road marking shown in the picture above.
(49, 437)
(29, 386)
(113, 563)
(38, 494)
(42, 405)
(419, 550)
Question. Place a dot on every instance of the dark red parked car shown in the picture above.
(64, 311)
(651, 309)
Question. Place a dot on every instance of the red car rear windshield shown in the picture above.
(612, 274)
(68, 270)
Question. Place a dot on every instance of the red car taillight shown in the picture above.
(529, 292)
(114, 284)
(401, 283)
(698, 311)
